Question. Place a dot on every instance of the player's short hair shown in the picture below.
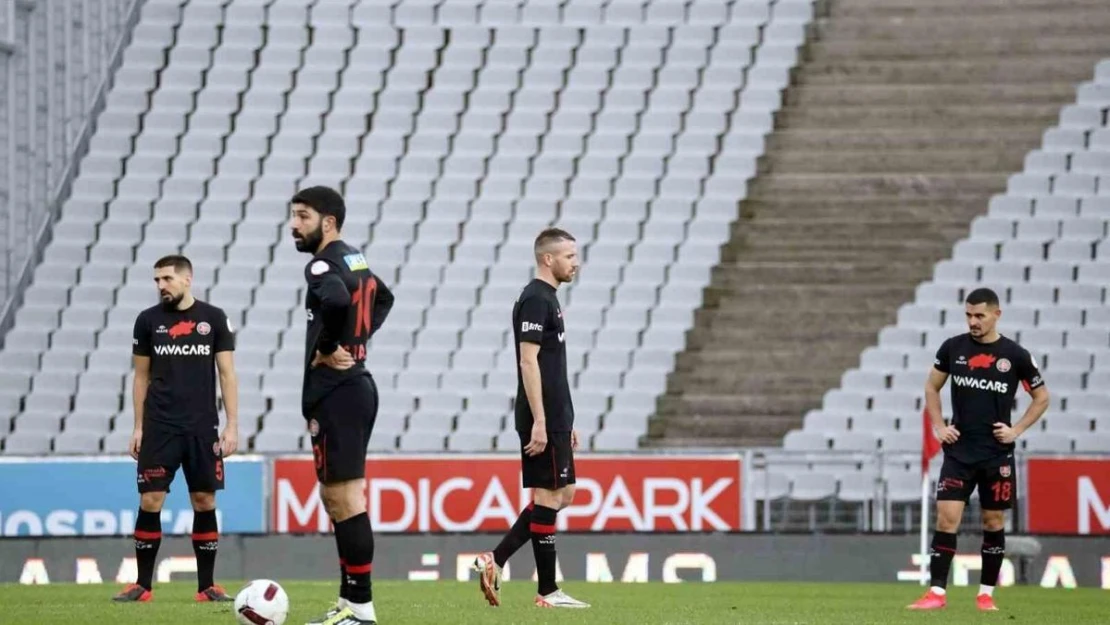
(179, 263)
(982, 296)
(325, 200)
(551, 235)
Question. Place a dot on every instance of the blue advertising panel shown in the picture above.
(92, 496)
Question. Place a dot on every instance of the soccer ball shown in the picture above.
(262, 602)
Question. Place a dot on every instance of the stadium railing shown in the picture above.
(29, 210)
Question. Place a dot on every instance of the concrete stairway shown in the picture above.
(902, 120)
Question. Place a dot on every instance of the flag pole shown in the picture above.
(930, 447)
(924, 551)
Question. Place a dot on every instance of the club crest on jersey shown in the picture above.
(1003, 365)
(1004, 471)
(203, 328)
(355, 262)
(313, 427)
(318, 268)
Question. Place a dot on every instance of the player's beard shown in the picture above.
(311, 241)
(172, 302)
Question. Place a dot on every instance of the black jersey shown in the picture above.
(984, 378)
(346, 304)
(537, 318)
(182, 347)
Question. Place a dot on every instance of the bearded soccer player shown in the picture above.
(177, 348)
(544, 421)
(986, 369)
(346, 304)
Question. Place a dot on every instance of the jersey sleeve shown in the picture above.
(383, 303)
(1028, 371)
(943, 357)
(533, 317)
(224, 333)
(140, 337)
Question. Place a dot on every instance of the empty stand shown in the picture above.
(57, 56)
(1042, 247)
(892, 136)
(456, 131)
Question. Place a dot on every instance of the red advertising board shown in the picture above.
(483, 493)
(1069, 495)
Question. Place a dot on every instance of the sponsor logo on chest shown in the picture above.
(997, 386)
(183, 350)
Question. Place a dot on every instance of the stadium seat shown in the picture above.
(216, 136)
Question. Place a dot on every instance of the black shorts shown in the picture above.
(340, 426)
(996, 480)
(163, 450)
(552, 469)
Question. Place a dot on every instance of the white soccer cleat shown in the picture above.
(332, 611)
(489, 577)
(559, 599)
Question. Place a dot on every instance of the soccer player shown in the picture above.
(177, 348)
(986, 369)
(544, 421)
(346, 304)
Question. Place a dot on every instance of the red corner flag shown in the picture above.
(930, 446)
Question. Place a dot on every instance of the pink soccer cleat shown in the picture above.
(931, 601)
(985, 603)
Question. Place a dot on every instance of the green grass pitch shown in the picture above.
(412, 603)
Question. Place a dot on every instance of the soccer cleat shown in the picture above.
(332, 611)
(985, 603)
(489, 577)
(346, 616)
(134, 593)
(559, 599)
(214, 594)
(931, 601)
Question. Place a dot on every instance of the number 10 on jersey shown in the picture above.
(363, 302)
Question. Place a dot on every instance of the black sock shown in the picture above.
(342, 564)
(940, 561)
(520, 533)
(543, 546)
(148, 537)
(994, 550)
(206, 540)
(356, 538)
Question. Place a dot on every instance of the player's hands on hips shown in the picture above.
(229, 441)
(538, 443)
(340, 360)
(574, 440)
(135, 443)
(1004, 433)
(948, 434)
